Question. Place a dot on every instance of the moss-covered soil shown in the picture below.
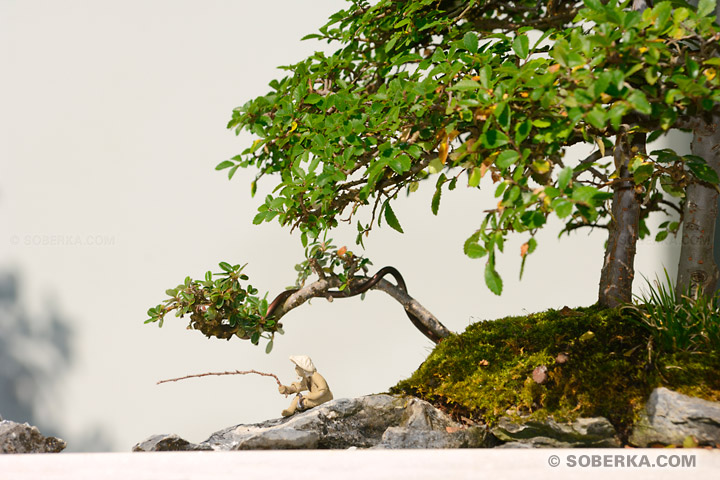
(599, 363)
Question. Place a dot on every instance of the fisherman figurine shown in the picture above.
(310, 380)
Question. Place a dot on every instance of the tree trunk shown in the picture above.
(697, 270)
(618, 269)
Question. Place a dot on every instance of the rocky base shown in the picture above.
(385, 421)
(24, 438)
(374, 421)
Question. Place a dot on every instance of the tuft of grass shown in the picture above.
(687, 324)
(607, 368)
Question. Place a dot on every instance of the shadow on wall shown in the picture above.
(35, 354)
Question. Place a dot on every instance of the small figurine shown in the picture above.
(311, 380)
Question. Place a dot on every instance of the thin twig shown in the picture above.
(236, 372)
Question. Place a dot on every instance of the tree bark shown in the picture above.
(697, 270)
(420, 317)
(618, 268)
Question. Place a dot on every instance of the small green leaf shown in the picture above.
(706, 7)
(269, 347)
(703, 172)
(594, 5)
(506, 158)
(521, 46)
(486, 75)
(391, 219)
(400, 164)
(532, 245)
(475, 177)
(661, 236)
(639, 102)
(492, 279)
(435, 166)
(225, 164)
(474, 250)
(312, 99)
(655, 135)
(584, 194)
(389, 46)
(435, 204)
(596, 117)
(494, 139)
(465, 84)
(564, 177)
(259, 218)
(522, 130)
(470, 40)
(226, 266)
(642, 172)
(562, 206)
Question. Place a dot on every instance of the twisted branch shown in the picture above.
(423, 320)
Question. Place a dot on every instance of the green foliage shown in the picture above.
(323, 256)
(607, 370)
(428, 89)
(220, 306)
(686, 324)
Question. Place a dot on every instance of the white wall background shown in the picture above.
(112, 119)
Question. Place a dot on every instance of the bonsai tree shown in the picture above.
(462, 94)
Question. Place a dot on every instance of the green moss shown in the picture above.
(486, 372)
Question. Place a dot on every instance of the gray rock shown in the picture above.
(403, 437)
(23, 438)
(373, 421)
(275, 439)
(595, 432)
(670, 417)
(167, 443)
(424, 426)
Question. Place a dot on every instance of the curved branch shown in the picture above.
(423, 320)
(419, 315)
(290, 299)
